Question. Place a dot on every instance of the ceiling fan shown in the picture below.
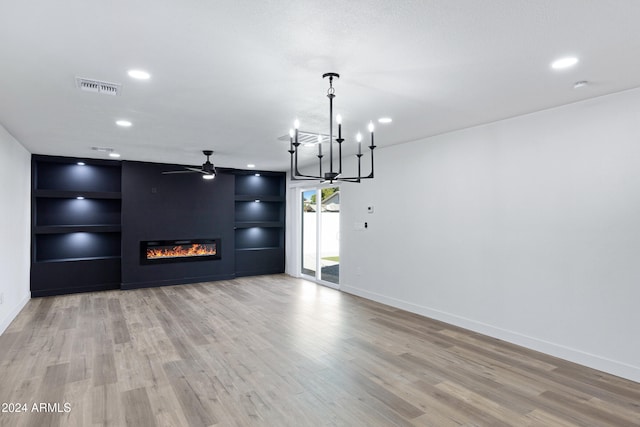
(208, 170)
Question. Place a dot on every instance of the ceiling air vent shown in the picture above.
(97, 86)
(306, 138)
(103, 149)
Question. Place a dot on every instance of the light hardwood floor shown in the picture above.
(278, 351)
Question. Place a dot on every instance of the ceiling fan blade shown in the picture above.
(206, 169)
(184, 171)
(194, 169)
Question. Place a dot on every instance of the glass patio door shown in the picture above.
(321, 234)
(309, 233)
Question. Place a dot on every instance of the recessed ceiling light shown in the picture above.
(257, 200)
(208, 176)
(123, 123)
(80, 198)
(114, 154)
(80, 163)
(251, 165)
(139, 74)
(566, 62)
(257, 174)
(385, 120)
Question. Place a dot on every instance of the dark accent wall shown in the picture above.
(173, 207)
(88, 221)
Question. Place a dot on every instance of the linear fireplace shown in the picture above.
(165, 251)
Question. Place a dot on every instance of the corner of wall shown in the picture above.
(15, 170)
(13, 313)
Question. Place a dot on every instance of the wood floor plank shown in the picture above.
(279, 351)
(105, 406)
(137, 408)
(194, 407)
(104, 369)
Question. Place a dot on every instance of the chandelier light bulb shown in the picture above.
(319, 139)
(370, 127)
(291, 133)
(339, 119)
(296, 124)
(358, 137)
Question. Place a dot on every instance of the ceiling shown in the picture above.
(232, 75)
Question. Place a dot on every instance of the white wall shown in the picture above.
(15, 223)
(527, 229)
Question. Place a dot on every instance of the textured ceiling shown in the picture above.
(232, 75)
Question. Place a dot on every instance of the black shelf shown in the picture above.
(76, 245)
(266, 248)
(72, 194)
(266, 224)
(64, 174)
(61, 229)
(261, 197)
(259, 222)
(265, 185)
(76, 225)
(95, 258)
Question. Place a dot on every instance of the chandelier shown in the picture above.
(331, 175)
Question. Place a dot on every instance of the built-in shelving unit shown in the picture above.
(76, 225)
(259, 222)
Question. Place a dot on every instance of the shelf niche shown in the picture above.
(259, 221)
(76, 225)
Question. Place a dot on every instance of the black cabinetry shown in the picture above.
(259, 222)
(76, 225)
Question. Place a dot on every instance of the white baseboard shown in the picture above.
(4, 323)
(604, 364)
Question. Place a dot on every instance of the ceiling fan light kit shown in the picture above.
(332, 175)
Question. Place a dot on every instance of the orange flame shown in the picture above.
(181, 251)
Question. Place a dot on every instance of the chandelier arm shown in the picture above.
(295, 173)
(294, 176)
(351, 179)
(307, 177)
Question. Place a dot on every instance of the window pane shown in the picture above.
(330, 235)
(309, 224)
